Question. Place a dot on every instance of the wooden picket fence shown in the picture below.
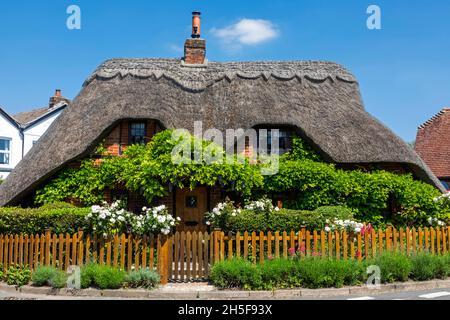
(186, 256)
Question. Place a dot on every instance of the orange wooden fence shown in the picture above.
(186, 256)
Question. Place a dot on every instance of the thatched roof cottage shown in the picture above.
(128, 100)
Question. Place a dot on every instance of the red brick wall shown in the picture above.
(194, 51)
(117, 141)
(433, 143)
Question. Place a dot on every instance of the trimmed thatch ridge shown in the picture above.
(198, 78)
(320, 99)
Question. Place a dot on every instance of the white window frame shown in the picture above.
(6, 152)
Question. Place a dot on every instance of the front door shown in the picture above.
(191, 206)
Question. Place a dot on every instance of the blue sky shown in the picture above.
(403, 69)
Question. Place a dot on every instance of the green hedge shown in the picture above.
(59, 218)
(285, 219)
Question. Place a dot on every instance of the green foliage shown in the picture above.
(287, 273)
(59, 280)
(426, 266)
(333, 212)
(394, 266)
(17, 276)
(33, 221)
(284, 219)
(280, 273)
(326, 273)
(102, 277)
(302, 150)
(85, 184)
(237, 273)
(376, 197)
(49, 276)
(368, 194)
(142, 278)
(149, 169)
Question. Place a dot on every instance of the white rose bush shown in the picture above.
(263, 205)
(113, 219)
(110, 219)
(155, 220)
(221, 213)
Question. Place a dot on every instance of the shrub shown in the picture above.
(142, 278)
(284, 219)
(249, 220)
(309, 272)
(280, 273)
(16, 276)
(237, 273)
(334, 212)
(426, 267)
(394, 266)
(49, 276)
(102, 277)
(33, 221)
(325, 273)
(59, 280)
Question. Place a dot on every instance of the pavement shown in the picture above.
(428, 290)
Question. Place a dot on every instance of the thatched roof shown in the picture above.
(322, 99)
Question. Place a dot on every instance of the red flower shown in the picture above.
(316, 254)
(358, 254)
(301, 248)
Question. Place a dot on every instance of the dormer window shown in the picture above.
(137, 133)
(5, 150)
(284, 142)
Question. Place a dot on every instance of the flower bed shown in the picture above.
(315, 272)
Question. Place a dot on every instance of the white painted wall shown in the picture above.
(34, 132)
(9, 131)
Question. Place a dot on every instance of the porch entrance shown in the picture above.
(191, 206)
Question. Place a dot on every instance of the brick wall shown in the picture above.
(433, 143)
(117, 141)
(194, 51)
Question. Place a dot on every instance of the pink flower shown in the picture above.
(270, 257)
(301, 248)
(292, 251)
(316, 254)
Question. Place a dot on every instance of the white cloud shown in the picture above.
(247, 32)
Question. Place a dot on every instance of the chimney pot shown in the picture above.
(58, 93)
(196, 22)
(195, 48)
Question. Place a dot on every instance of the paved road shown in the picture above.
(437, 294)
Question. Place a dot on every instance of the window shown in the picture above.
(137, 133)
(5, 150)
(285, 140)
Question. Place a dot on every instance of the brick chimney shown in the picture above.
(57, 98)
(195, 48)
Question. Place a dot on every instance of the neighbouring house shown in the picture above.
(127, 101)
(20, 132)
(433, 145)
